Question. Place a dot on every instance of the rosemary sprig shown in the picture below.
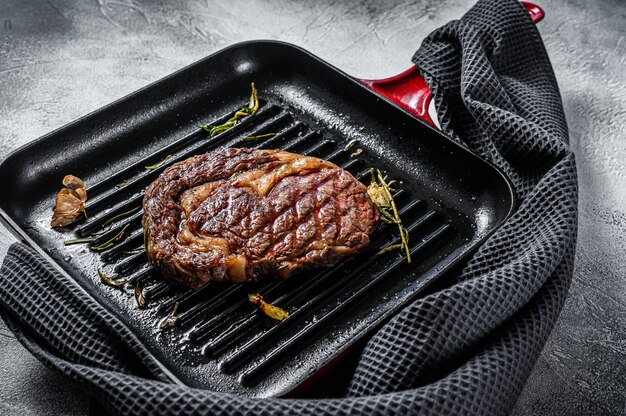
(114, 280)
(111, 242)
(158, 165)
(350, 144)
(244, 111)
(283, 267)
(379, 191)
(171, 319)
(79, 241)
(259, 136)
(120, 217)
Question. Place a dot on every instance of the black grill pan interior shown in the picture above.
(449, 200)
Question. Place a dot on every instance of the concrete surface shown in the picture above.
(60, 59)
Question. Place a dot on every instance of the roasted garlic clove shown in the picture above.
(69, 202)
(268, 309)
(76, 186)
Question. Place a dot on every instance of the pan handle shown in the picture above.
(410, 91)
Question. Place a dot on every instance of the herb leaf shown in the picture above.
(350, 144)
(79, 241)
(356, 153)
(120, 217)
(244, 111)
(122, 184)
(112, 241)
(141, 300)
(114, 280)
(158, 165)
(101, 231)
(136, 251)
(260, 136)
(171, 319)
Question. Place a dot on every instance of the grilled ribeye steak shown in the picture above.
(239, 214)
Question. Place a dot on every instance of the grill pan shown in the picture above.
(449, 199)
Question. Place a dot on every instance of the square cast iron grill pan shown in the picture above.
(449, 199)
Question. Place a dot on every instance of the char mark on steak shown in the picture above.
(239, 214)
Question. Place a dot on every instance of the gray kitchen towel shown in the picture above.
(466, 349)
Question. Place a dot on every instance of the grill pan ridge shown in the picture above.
(449, 200)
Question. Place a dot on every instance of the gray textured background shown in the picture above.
(60, 59)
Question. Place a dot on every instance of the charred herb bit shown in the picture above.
(357, 153)
(114, 280)
(111, 242)
(79, 241)
(141, 300)
(171, 319)
(69, 202)
(120, 217)
(283, 267)
(270, 310)
(122, 184)
(350, 144)
(379, 191)
(158, 165)
(145, 234)
(259, 136)
(243, 112)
